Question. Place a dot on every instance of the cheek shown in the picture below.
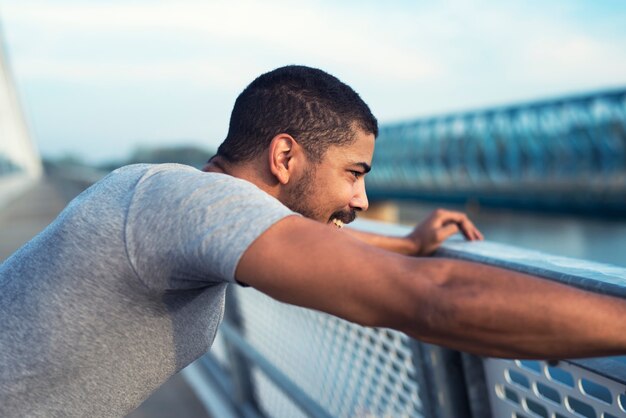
(345, 193)
(338, 192)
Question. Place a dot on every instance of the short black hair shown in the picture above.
(314, 107)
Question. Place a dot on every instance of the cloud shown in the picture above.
(405, 58)
(226, 42)
(576, 59)
(308, 33)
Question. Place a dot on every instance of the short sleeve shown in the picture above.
(187, 229)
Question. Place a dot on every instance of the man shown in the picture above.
(127, 286)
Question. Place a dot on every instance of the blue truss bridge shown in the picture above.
(566, 154)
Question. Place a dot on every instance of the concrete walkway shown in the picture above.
(23, 218)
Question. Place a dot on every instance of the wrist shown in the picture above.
(409, 246)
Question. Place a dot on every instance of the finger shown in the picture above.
(470, 231)
(441, 217)
(475, 232)
(465, 225)
(447, 231)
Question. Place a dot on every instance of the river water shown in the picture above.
(600, 240)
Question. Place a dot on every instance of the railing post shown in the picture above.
(441, 381)
(240, 367)
(476, 384)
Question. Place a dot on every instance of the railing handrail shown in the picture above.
(587, 275)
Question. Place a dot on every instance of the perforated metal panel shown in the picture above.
(351, 371)
(520, 389)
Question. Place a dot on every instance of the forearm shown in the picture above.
(399, 245)
(426, 237)
(491, 311)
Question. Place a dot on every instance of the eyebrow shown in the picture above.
(365, 166)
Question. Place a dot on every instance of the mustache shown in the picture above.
(345, 216)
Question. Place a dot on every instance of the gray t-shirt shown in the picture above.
(123, 289)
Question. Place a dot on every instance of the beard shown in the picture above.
(299, 197)
(300, 200)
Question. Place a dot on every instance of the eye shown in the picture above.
(356, 174)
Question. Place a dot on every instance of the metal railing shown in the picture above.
(567, 153)
(275, 360)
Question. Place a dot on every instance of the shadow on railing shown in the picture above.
(275, 360)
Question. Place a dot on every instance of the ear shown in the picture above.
(284, 153)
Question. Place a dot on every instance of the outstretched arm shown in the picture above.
(426, 237)
(467, 306)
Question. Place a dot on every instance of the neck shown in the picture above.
(216, 165)
(250, 171)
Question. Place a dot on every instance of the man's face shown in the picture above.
(334, 188)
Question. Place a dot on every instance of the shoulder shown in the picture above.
(184, 186)
(181, 180)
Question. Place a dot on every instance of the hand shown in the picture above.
(439, 226)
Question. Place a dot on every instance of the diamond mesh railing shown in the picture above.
(276, 360)
(349, 369)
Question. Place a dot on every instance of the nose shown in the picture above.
(359, 199)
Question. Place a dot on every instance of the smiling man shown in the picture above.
(126, 287)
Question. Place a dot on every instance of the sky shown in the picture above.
(99, 78)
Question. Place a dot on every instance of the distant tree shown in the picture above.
(183, 154)
(186, 154)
